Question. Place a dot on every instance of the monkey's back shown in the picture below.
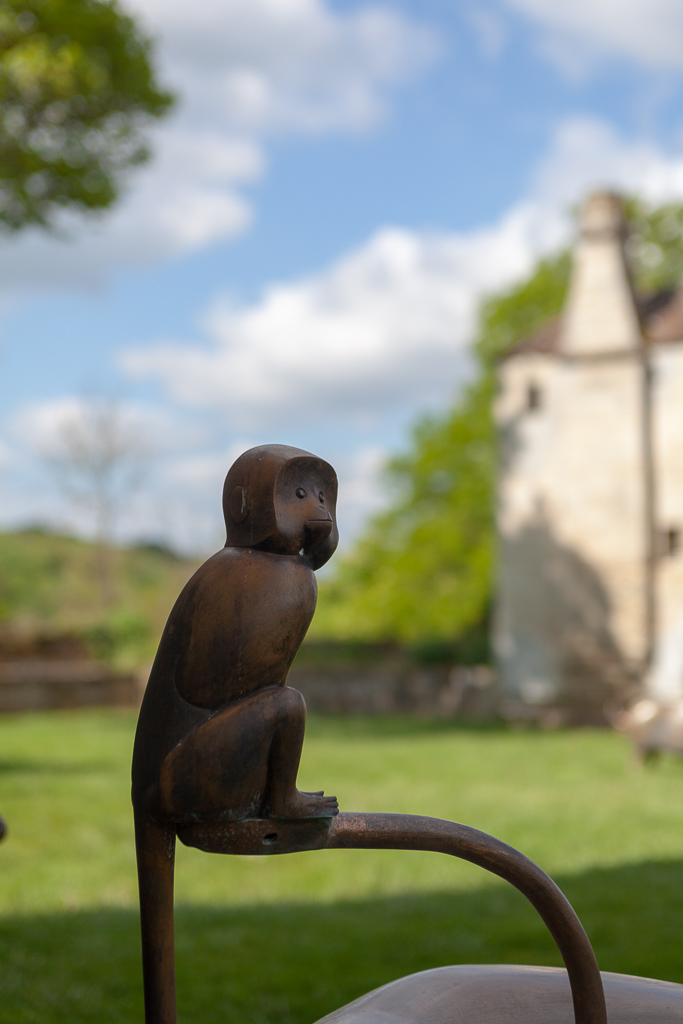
(238, 625)
(234, 629)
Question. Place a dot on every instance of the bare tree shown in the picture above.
(98, 454)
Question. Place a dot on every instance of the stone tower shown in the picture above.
(590, 497)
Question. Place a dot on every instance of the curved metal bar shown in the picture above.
(414, 832)
(267, 836)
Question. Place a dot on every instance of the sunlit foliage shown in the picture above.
(77, 91)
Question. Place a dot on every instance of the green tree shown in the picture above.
(422, 572)
(77, 91)
(655, 244)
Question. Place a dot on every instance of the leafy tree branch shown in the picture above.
(77, 92)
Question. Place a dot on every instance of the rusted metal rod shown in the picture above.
(414, 832)
(155, 847)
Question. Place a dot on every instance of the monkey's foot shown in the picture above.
(305, 805)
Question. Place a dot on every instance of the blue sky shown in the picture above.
(302, 260)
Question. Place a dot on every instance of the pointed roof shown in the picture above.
(602, 313)
(661, 318)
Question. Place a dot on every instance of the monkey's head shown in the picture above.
(283, 500)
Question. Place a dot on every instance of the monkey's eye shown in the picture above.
(321, 497)
(300, 492)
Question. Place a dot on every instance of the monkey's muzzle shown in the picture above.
(318, 529)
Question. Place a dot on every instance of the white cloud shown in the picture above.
(175, 491)
(383, 332)
(45, 481)
(243, 70)
(205, 472)
(39, 427)
(588, 154)
(285, 65)
(649, 32)
(384, 328)
(361, 489)
(6, 455)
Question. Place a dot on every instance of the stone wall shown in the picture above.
(665, 680)
(37, 684)
(399, 689)
(396, 688)
(572, 594)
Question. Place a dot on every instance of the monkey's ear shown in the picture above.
(237, 505)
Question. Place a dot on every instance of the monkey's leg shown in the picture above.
(283, 799)
(155, 849)
(242, 762)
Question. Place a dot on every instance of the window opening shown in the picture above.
(669, 541)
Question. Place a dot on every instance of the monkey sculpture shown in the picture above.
(220, 733)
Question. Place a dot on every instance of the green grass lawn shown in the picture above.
(266, 940)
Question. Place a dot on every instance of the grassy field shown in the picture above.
(266, 940)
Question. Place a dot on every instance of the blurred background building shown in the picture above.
(590, 494)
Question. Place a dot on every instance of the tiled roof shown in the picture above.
(661, 316)
(545, 339)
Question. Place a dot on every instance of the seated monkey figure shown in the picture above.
(220, 733)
